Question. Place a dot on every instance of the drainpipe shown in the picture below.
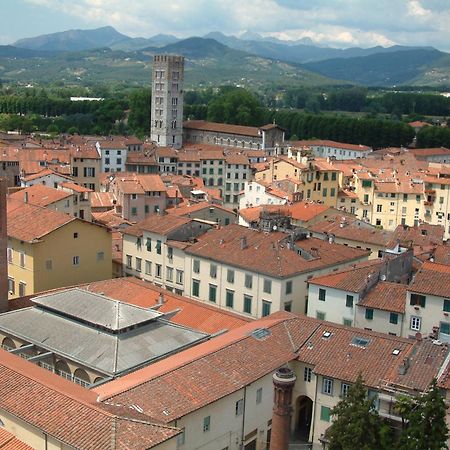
(314, 409)
(243, 419)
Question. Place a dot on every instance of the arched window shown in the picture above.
(8, 344)
(81, 377)
(63, 369)
(211, 181)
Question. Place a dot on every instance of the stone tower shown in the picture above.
(167, 101)
(283, 383)
(3, 248)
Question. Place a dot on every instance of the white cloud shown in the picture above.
(329, 22)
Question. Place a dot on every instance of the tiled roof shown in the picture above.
(203, 125)
(157, 224)
(352, 279)
(102, 200)
(75, 187)
(387, 297)
(192, 313)
(44, 173)
(425, 234)
(188, 208)
(268, 253)
(210, 371)
(9, 442)
(40, 195)
(237, 158)
(28, 222)
(139, 183)
(441, 255)
(70, 413)
(432, 279)
(354, 230)
(306, 211)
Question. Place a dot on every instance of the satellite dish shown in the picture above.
(383, 278)
(274, 228)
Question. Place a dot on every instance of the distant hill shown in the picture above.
(383, 69)
(208, 63)
(73, 40)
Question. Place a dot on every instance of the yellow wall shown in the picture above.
(60, 247)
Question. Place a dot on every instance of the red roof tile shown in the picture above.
(387, 297)
(432, 279)
(40, 195)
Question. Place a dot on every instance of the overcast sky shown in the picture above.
(336, 23)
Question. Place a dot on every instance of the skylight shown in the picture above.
(360, 341)
(326, 334)
(260, 333)
(396, 351)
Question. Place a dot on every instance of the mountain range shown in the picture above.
(223, 58)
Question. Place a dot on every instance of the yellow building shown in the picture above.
(49, 249)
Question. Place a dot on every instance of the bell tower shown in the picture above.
(167, 101)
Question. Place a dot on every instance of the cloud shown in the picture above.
(329, 22)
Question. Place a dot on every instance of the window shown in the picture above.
(179, 276)
(206, 424)
(22, 259)
(129, 261)
(138, 264)
(444, 328)
(349, 301)
(266, 306)
(333, 192)
(49, 264)
(415, 323)
(148, 267)
(322, 293)
(22, 288)
(344, 389)
(229, 298)
(347, 322)
(324, 192)
(11, 285)
(417, 300)
(76, 260)
(325, 413)
(393, 318)
(446, 307)
(307, 374)
(169, 273)
(158, 247)
(267, 288)
(239, 407)
(288, 306)
(170, 253)
(366, 183)
(134, 211)
(196, 266)
(213, 270)
(247, 304)
(369, 313)
(195, 288)
(149, 244)
(248, 281)
(288, 287)
(230, 276)
(320, 315)
(212, 293)
(327, 386)
(258, 396)
(379, 208)
(100, 256)
(10, 255)
(158, 269)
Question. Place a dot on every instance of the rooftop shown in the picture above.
(432, 279)
(40, 195)
(387, 297)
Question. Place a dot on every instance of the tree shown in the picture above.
(356, 423)
(427, 428)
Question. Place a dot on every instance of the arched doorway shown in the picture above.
(304, 417)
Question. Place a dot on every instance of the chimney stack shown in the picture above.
(283, 382)
(3, 248)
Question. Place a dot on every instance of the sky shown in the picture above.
(334, 23)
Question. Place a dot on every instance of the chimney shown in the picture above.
(243, 241)
(3, 248)
(283, 382)
(160, 299)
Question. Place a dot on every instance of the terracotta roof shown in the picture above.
(402, 187)
(353, 229)
(306, 211)
(425, 234)
(441, 255)
(28, 222)
(102, 200)
(75, 187)
(418, 124)
(40, 195)
(430, 151)
(9, 442)
(352, 279)
(210, 371)
(44, 173)
(157, 224)
(110, 218)
(188, 208)
(203, 125)
(387, 297)
(236, 158)
(70, 413)
(432, 279)
(192, 313)
(138, 183)
(268, 253)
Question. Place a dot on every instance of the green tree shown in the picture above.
(356, 423)
(427, 428)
